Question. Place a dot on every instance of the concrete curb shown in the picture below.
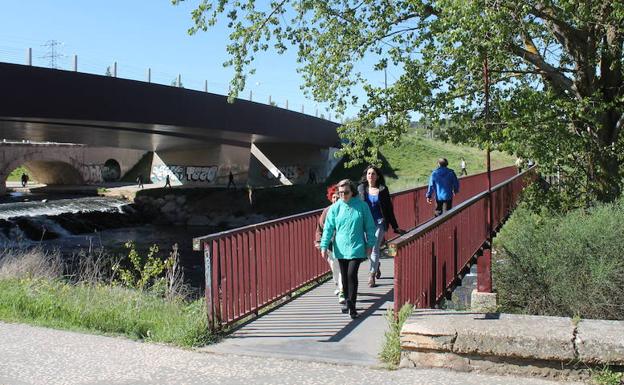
(553, 347)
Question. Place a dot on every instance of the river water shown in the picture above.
(74, 223)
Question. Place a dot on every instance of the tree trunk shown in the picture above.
(606, 179)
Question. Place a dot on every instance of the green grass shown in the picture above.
(103, 309)
(391, 350)
(410, 164)
(606, 376)
(16, 175)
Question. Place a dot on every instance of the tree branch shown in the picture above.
(555, 78)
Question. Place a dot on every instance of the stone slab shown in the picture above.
(492, 365)
(482, 302)
(600, 341)
(491, 334)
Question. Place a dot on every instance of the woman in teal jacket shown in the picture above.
(354, 228)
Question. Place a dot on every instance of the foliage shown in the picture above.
(391, 350)
(16, 175)
(606, 376)
(563, 265)
(556, 75)
(40, 288)
(410, 164)
(143, 270)
(105, 309)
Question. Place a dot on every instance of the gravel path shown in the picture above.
(33, 355)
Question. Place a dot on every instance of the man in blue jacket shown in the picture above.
(445, 184)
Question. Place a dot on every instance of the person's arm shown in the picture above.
(430, 188)
(391, 218)
(455, 184)
(369, 228)
(319, 228)
(328, 230)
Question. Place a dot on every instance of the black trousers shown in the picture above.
(443, 206)
(349, 274)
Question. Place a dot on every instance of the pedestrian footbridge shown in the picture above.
(253, 272)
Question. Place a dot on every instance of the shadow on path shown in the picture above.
(312, 327)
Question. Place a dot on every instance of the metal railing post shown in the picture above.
(208, 291)
(115, 69)
(149, 75)
(75, 63)
(29, 57)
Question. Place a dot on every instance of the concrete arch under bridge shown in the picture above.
(66, 164)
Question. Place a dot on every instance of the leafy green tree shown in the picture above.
(556, 76)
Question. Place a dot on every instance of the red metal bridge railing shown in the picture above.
(430, 258)
(254, 266)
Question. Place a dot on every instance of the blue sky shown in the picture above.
(138, 34)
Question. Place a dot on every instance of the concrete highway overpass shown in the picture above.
(195, 137)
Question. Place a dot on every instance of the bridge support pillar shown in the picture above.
(482, 299)
(484, 271)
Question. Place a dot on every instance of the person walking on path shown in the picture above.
(332, 196)
(373, 190)
(519, 164)
(445, 184)
(311, 176)
(139, 180)
(167, 181)
(462, 164)
(351, 224)
(231, 180)
(24, 179)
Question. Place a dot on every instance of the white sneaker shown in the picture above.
(341, 298)
(337, 291)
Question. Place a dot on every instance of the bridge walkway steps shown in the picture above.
(312, 328)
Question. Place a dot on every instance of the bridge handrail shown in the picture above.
(434, 222)
(430, 258)
(251, 267)
(198, 241)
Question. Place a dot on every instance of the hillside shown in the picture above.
(411, 163)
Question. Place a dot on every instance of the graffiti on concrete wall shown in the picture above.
(91, 173)
(206, 174)
(291, 173)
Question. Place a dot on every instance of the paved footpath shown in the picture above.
(312, 327)
(38, 356)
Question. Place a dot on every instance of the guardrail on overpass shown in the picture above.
(252, 267)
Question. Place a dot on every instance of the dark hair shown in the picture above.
(380, 178)
(442, 162)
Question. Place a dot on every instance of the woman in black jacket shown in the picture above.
(374, 192)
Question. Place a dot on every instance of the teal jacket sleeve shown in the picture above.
(328, 228)
(369, 227)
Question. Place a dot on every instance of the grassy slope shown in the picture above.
(16, 175)
(411, 163)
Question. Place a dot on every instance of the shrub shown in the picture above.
(563, 265)
(391, 350)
